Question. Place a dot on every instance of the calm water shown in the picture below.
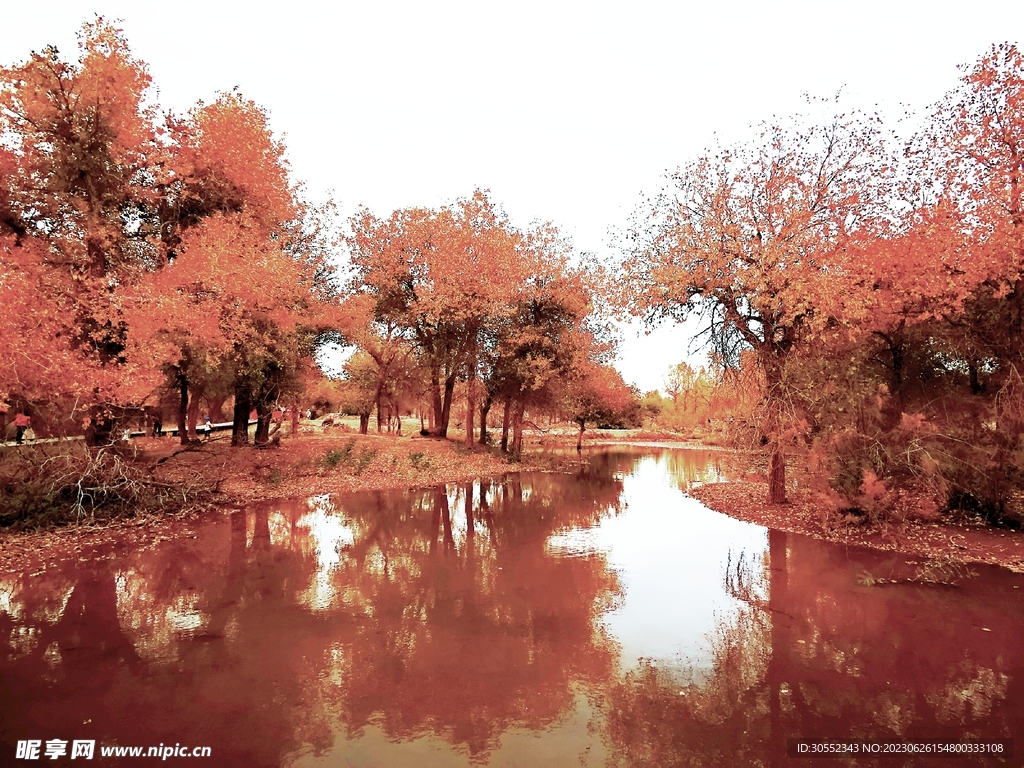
(533, 620)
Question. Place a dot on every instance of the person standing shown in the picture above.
(207, 428)
(21, 423)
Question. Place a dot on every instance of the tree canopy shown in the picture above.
(139, 246)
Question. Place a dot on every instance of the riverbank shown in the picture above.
(341, 461)
(806, 513)
(744, 497)
(313, 462)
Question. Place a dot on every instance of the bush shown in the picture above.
(958, 470)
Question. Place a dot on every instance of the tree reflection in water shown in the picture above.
(339, 630)
(432, 611)
(818, 654)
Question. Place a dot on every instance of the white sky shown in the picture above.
(566, 111)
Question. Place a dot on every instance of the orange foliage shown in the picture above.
(129, 247)
(467, 290)
(753, 238)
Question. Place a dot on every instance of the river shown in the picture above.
(596, 618)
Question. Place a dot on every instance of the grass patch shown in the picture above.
(347, 456)
(417, 460)
(339, 456)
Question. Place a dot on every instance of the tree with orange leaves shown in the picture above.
(595, 394)
(482, 302)
(954, 287)
(753, 239)
(971, 168)
(101, 209)
(439, 275)
(222, 161)
(387, 350)
(234, 300)
(74, 208)
(544, 342)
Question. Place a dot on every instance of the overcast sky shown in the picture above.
(567, 112)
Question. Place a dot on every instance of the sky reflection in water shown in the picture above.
(599, 618)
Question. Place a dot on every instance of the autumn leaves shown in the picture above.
(476, 301)
(143, 252)
(140, 249)
(871, 279)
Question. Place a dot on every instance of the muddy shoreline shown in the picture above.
(963, 542)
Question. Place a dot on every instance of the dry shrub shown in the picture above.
(68, 482)
(889, 476)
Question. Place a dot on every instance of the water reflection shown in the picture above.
(437, 611)
(820, 653)
(598, 618)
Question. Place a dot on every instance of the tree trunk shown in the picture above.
(295, 420)
(183, 410)
(262, 436)
(436, 419)
(579, 437)
(972, 371)
(517, 430)
(364, 423)
(485, 408)
(446, 406)
(240, 422)
(470, 393)
(193, 413)
(776, 451)
(505, 424)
